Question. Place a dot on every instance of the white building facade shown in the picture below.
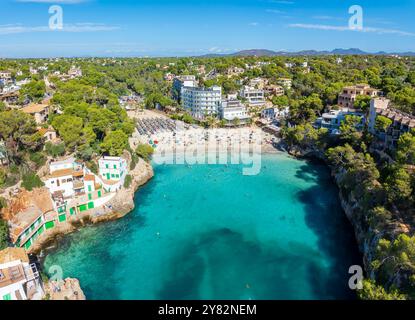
(233, 109)
(202, 102)
(19, 280)
(181, 82)
(112, 171)
(255, 97)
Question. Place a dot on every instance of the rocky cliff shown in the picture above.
(366, 235)
(68, 289)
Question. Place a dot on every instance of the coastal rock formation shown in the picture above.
(68, 289)
(116, 208)
(367, 236)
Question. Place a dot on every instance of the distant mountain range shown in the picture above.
(270, 53)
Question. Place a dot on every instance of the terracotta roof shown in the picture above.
(77, 173)
(89, 177)
(111, 182)
(13, 254)
(12, 275)
(42, 131)
(34, 108)
(61, 173)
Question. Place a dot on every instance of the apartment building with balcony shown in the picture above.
(285, 82)
(255, 97)
(5, 77)
(401, 122)
(234, 71)
(349, 94)
(274, 90)
(333, 119)
(202, 102)
(40, 111)
(185, 81)
(258, 83)
(233, 109)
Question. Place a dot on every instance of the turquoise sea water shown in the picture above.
(208, 232)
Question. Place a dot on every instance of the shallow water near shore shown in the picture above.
(209, 232)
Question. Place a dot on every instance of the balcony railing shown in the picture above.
(31, 272)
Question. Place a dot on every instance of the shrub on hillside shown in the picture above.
(144, 151)
(128, 180)
(91, 165)
(134, 161)
(2, 177)
(3, 203)
(4, 234)
(38, 158)
(55, 150)
(31, 181)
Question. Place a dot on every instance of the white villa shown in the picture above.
(62, 176)
(333, 119)
(75, 189)
(233, 109)
(255, 97)
(285, 82)
(112, 171)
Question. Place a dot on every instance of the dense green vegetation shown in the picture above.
(144, 151)
(4, 234)
(31, 181)
(4, 231)
(127, 181)
(382, 194)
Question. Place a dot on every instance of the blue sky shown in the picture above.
(186, 27)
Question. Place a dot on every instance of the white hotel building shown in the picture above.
(202, 102)
(233, 109)
(255, 97)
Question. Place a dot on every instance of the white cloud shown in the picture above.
(219, 50)
(275, 11)
(53, 1)
(77, 27)
(345, 28)
(327, 18)
(282, 2)
(254, 24)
